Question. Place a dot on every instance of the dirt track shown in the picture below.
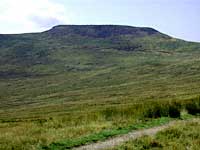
(123, 138)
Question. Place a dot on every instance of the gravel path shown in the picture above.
(112, 142)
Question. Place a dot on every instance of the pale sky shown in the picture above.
(178, 18)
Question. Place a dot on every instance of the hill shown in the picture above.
(41, 48)
(75, 80)
(107, 61)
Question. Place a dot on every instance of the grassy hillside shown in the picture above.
(76, 80)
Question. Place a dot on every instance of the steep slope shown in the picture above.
(94, 65)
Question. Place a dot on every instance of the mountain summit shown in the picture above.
(101, 31)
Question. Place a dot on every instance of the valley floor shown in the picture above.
(77, 129)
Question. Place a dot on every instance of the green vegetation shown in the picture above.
(182, 136)
(78, 128)
(102, 135)
(76, 81)
(168, 109)
(193, 107)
